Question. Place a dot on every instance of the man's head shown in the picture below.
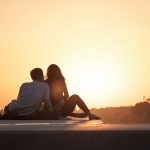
(37, 74)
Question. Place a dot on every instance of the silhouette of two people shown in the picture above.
(46, 99)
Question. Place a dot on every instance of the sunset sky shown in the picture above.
(101, 46)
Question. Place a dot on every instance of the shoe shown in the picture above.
(93, 117)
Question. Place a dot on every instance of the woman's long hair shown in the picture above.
(54, 73)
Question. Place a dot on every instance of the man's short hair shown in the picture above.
(36, 73)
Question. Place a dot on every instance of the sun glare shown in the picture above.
(92, 81)
(99, 83)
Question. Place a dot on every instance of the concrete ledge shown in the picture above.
(68, 135)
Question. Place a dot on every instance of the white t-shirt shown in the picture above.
(30, 98)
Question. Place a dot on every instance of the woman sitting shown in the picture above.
(60, 98)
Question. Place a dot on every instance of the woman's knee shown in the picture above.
(74, 98)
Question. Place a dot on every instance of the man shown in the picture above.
(31, 96)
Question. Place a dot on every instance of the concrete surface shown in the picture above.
(68, 135)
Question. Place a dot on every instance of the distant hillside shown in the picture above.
(112, 114)
(140, 113)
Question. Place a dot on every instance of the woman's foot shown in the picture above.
(93, 117)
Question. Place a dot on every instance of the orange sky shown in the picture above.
(102, 47)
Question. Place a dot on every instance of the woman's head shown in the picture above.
(54, 72)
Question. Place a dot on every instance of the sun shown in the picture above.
(92, 81)
(93, 86)
(96, 83)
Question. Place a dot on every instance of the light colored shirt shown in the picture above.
(30, 98)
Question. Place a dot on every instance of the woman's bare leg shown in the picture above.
(71, 103)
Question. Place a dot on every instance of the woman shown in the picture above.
(60, 98)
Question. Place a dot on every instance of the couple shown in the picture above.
(46, 99)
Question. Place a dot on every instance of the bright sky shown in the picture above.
(101, 46)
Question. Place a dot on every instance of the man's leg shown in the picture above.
(6, 114)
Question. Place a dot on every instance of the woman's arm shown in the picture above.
(66, 94)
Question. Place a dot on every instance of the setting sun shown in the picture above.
(92, 81)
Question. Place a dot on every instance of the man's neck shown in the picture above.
(37, 81)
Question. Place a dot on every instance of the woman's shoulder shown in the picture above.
(56, 81)
(62, 81)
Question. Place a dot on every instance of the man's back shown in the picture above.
(30, 98)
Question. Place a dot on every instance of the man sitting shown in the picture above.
(31, 96)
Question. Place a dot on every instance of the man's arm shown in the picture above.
(48, 105)
(47, 100)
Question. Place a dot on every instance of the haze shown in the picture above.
(102, 47)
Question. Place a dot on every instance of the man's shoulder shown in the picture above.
(44, 84)
(26, 83)
(35, 83)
